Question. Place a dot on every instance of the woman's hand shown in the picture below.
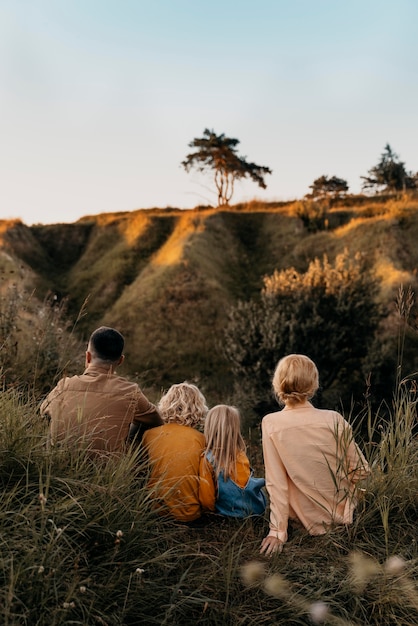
(271, 544)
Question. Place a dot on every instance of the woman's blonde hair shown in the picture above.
(223, 438)
(183, 404)
(296, 379)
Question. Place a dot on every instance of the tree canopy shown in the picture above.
(328, 187)
(219, 154)
(389, 174)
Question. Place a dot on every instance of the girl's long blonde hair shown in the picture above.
(223, 438)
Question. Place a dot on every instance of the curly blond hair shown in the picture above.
(296, 379)
(183, 404)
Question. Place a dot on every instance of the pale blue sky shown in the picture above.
(100, 98)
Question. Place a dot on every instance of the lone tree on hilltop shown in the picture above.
(389, 174)
(219, 153)
(328, 187)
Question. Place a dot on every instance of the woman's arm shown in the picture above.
(277, 487)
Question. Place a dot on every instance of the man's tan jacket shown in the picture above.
(96, 408)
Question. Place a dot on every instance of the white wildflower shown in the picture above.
(394, 565)
(139, 571)
(42, 499)
(276, 586)
(41, 569)
(363, 569)
(318, 612)
(83, 589)
(119, 534)
(253, 572)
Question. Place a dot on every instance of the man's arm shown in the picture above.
(146, 416)
(47, 407)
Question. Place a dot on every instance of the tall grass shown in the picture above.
(37, 341)
(81, 543)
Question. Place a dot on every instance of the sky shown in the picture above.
(99, 99)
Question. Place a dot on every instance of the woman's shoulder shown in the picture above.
(271, 417)
(330, 414)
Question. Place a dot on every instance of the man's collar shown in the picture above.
(98, 369)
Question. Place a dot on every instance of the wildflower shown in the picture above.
(318, 612)
(42, 499)
(276, 586)
(363, 569)
(41, 569)
(394, 565)
(139, 571)
(83, 589)
(68, 605)
(119, 534)
(253, 572)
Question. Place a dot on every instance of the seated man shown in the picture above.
(96, 408)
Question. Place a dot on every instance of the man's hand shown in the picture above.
(270, 544)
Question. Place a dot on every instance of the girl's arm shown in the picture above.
(207, 484)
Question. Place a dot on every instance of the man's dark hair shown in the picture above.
(107, 344)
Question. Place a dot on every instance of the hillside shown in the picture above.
(167, 277)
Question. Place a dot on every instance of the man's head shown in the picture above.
(105, 346)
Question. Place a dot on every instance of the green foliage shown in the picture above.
(328, 187)
(389, 174)
(329, 313)
(218, 153)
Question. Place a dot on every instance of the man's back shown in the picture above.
(96, 408)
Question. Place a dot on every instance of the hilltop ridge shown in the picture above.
(166, 278)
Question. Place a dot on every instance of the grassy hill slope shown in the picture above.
(167, 277)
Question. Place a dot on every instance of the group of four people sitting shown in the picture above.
(312, 463)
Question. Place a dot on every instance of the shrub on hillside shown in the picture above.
(313, 213)
(329, 313)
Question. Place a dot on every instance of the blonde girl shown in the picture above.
(227, 485)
